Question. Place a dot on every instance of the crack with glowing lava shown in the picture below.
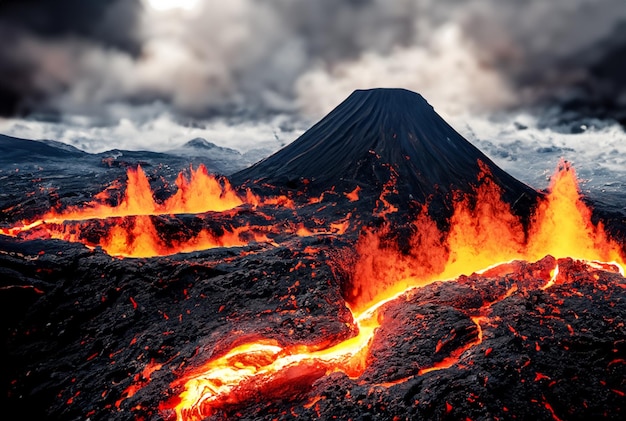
(482, 232)
(561, 227)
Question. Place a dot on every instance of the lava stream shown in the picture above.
(267, 366)
(480, 236)
(143, 240)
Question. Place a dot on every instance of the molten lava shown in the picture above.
(132, 231)
(383, 268)
(143, 240)
(484, 235)
(199, 193)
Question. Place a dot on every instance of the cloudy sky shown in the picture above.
(152, 74)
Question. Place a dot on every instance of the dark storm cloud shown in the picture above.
(83, 57)
(111, 22)
(23, 23)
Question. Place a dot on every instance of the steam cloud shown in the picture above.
(296, 56)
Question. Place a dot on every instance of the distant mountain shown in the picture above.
(41, 166)
(21, 150)
(371, 131)
(224, 160)
(200, 144)
(16, 151)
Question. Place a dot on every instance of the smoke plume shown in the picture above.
(274, 56)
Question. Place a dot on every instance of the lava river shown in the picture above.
(484, 237)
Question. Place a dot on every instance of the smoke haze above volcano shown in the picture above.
(294, 56)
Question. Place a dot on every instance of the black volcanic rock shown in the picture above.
(371, 131)
(87, 336)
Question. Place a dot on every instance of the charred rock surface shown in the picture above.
(86, 325)
(547, 354)
(90, 336)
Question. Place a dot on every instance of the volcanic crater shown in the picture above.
(379, 267)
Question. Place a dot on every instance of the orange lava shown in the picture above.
(353, 196)
(133, 233)
(143, 240)
(481, 236)
(454, 357)
(266, 367)
(140, 380)
(201, 192)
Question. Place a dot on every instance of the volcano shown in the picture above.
(272, 295)
(379, 133)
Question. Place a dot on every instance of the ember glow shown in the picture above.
(484, 236)
(128, 228)
(141, 239)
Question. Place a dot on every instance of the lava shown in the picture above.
(455, 355)
(201, 192)
(396, 272)
(127, 229)
(483, 234)
(131, 232)
(143, 240)
(353, 196)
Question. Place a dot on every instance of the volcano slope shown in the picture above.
(385, 140)
(380, 267)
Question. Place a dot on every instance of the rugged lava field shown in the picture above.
(379, 267)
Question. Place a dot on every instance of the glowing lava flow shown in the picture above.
(480, 236)
(127, 229)
(266, 367)
(135, 235)
(143, 240)
(483, 235)
(200, 193)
